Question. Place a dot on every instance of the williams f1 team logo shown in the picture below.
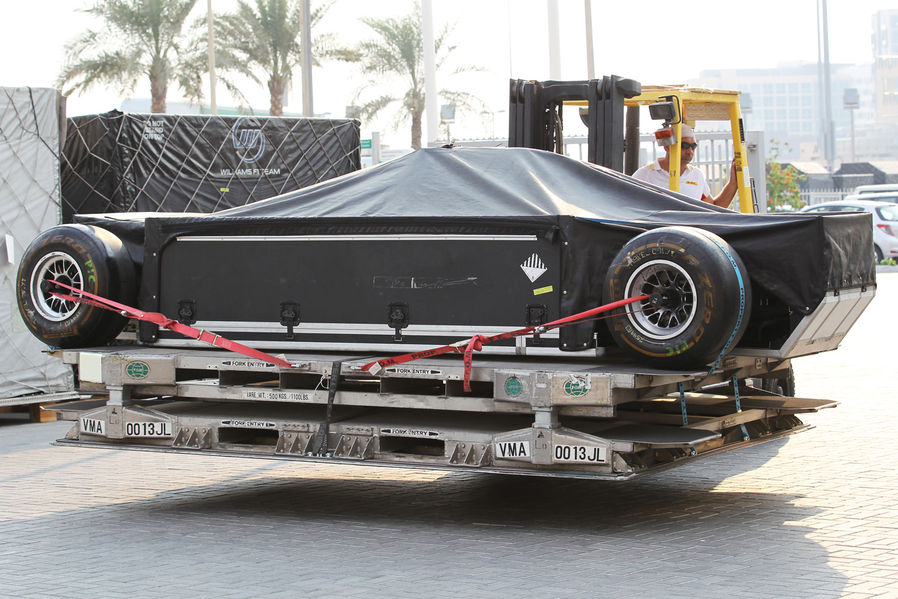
(249, 143)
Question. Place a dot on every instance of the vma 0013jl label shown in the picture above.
(93, 426)
(148, 429)
(512, 450)
(580, 454)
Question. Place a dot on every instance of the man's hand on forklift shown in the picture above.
(726, 195)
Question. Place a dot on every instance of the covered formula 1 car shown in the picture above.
(443, 244)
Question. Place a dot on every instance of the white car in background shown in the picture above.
(885, 219)
(865, 190)
(878, 195)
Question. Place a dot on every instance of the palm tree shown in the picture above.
(399, 51)
(265, 39)
(140, 38)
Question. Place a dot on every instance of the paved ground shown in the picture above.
(814, 515)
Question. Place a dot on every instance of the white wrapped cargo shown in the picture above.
(30, 141)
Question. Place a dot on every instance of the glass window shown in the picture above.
(889, 213)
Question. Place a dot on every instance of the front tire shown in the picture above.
(86, 258)
(699, 297)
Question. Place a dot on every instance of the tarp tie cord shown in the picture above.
(745, 436)
(738, 325)
(320, 448)
(475, 343)
(682, 391)
(163, 321)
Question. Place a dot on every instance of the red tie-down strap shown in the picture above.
(173, 325)
(475, 343)
(467, 347)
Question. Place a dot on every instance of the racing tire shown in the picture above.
(86, 258)
(699, 297)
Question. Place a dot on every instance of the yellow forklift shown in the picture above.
(609, 107)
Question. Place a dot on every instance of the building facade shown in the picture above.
(787, 102)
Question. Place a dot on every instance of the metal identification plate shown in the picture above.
(93, 426)
(148, 429)
(512, 450)
(579, 454)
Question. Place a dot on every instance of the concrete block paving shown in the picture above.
(809, 516)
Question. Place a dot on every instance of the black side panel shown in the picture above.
(458, 272)
(356, 279)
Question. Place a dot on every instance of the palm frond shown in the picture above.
(396, 49)
(153, 33)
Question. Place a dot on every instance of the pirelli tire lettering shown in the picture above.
(699, 297)
(83, 257)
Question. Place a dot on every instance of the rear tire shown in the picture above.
(86, 258)
(699, 297)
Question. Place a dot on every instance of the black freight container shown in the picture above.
(123, 162)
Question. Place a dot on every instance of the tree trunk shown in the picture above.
(158, 86)
(416, 129)
(277, 85)
(158, 92)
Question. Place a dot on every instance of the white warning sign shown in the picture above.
(533, 267)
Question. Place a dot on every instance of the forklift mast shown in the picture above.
(609, 107)
(536, 118)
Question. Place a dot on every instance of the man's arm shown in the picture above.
(726, 195)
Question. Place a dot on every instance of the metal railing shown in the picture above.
(810, 197)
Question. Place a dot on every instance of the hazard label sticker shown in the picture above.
(533, 267)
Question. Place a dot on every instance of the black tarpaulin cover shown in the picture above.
(795, 257)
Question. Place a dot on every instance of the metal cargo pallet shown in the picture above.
(555, 418)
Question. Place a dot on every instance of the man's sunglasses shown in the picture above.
(685, 145)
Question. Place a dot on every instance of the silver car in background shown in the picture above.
(891, 189)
